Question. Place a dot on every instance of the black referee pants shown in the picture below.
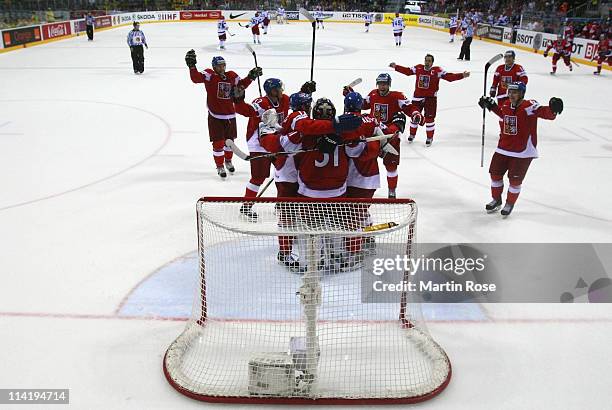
(465, 49)
(137, 58)
(90, 32)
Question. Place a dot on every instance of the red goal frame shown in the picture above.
(403, 319)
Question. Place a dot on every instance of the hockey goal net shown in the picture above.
(281, 314)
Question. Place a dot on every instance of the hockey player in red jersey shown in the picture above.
(317, 176)
(364, 176)
(562, 49)
(388, 107)
(518, 142)
(274, 99)
(604, 53)
(505, 74)
(426, 91)
(221, 111)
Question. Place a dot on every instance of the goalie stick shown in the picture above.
(242, 155)
(248, 46)
(312, 20)
(489, 63)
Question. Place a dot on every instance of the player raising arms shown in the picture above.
(221, 112)
(426, 92)
(398, 29)
(276, 100)
(505, 74)
(604, 52)
(562, 49)
(389, 108)
(517, 141)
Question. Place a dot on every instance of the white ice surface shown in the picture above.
(100, 170)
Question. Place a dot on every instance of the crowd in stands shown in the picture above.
(538, 15)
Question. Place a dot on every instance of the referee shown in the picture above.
(89, 26)
(467, 41)
(136, 40)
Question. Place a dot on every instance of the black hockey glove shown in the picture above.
(556, 105)
(487, 102)
(346, 122)
(309, 87)
(255, 72)
(237, 94)
(327, 144)
(545, 54)
(190, 59)
(493, 92)
(399, 120)
(346, 90)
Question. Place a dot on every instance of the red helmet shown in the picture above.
(222, 17)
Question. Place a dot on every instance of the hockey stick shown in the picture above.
(354, 83)
(242, 155)
(484, 93)
(312, 20)
(261, 192)
(247, 26)
(248, 46)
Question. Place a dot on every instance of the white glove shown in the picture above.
(389, 149)
(266, 129)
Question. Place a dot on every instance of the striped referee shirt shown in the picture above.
(136, 38)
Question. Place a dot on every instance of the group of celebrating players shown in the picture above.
(315, 152)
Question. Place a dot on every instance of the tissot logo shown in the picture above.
(234, 16)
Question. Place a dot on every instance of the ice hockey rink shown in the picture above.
(100, 171)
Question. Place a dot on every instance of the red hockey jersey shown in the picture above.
(383, 107)
(518, 128)
(427, 81)
(560, 47)
(219, 91)
(254, 111)
(504, 76)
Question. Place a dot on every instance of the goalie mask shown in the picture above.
(323, 109)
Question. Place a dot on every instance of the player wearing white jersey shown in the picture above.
(398, 29)
(368, 18)
(222, 28)
(452, 28)
(254, 24)
(280, 15)
(265, 20)
(318, 15)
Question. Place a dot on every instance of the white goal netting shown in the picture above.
(282, 313)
